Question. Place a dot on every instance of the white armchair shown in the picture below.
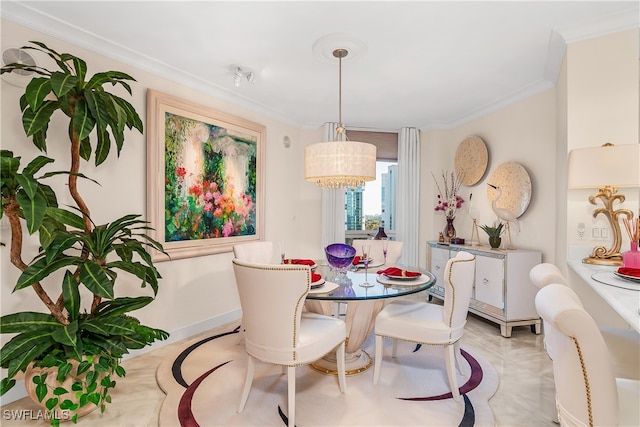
(260, 252)
(623, 344)
(277, 331)
(432, 324)
(587, 392)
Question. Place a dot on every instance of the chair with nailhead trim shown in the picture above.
(432, 324)
(587, 391)
(276, 329)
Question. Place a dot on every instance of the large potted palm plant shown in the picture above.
(71, 351)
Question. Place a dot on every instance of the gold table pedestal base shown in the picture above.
(355, 363)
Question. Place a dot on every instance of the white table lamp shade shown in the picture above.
(608, 165)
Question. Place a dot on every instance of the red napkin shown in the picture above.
(395, 271)
(315, 277)
(309, 262)
(356, 259)
(628, 271)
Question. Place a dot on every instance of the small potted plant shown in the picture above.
(494, 234)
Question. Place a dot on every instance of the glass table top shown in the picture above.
(349, 288)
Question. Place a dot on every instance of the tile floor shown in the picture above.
(524, 397)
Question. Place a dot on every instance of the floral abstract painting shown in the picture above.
(211, 194)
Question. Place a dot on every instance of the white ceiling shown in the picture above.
(423, 64)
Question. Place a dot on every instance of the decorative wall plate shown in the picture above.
(515, 188)
(471, 160)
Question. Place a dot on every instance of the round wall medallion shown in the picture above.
(514, 188)
(471, 160)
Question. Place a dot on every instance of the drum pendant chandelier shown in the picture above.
(340, 164)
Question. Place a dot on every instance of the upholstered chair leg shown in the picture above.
(241, 336)
(377, 362)
(251, 366)
(394, 352)
(450, 361)
(461, 363)
(291, 380)
(342, 378)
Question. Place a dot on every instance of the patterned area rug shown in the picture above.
(203, 381)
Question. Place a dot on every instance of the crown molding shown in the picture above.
(21, 13)
(483, 110)
(626, 19)
(559, 39)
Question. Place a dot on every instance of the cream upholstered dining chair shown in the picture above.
(432, 324)
(587, 391)
(277, 331)
(260, 252)
(394, 249)
(623, 344)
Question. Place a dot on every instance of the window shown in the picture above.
(372, 206)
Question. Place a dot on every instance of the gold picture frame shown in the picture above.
(205, 178)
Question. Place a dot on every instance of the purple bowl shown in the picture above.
(339, 255)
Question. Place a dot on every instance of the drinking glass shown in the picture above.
(384, 249)
(366, 250)
(282, 247)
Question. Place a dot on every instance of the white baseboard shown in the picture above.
(18, 391)
(189, 331)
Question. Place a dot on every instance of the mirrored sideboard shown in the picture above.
(502, 290)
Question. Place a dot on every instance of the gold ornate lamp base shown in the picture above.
(602, 261)
(601, 255)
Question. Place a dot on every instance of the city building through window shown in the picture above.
(373, 205)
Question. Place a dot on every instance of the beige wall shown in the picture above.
(194, 293)
(602, 105)
(602, 101)
(523, 133)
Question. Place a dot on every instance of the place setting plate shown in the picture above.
(627, 277)
(613, 278)
(322, 286)
(402, 280)
(393, 277)
(372, 263)
(318, 283)
(312, 266)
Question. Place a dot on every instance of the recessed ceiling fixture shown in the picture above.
(19, 77)
(341, 163)
(240, 74)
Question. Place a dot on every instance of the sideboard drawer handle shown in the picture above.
(437, 267)
(485, 281)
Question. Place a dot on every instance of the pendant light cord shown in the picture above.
(340, 130)
(340, 92)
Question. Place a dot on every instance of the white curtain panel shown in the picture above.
(333, 216)
(408, 194)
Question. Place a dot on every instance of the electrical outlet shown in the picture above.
(595, 233)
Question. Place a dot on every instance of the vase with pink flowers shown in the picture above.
(449, 201)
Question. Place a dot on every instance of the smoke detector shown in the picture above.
(19, 78)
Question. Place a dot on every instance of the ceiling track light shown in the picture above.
(240, 74)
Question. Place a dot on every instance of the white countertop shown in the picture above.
(626, 302)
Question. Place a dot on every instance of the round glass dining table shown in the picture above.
(362, 306)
